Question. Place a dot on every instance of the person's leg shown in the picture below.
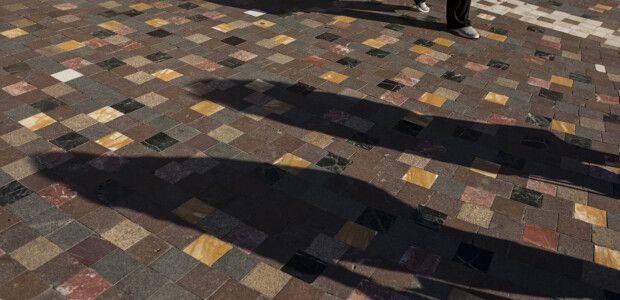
(457, 13)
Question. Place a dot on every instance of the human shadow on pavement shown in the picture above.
(329, 222)
(516, 150)
(293, 219)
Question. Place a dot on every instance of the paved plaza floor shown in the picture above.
(259, 149)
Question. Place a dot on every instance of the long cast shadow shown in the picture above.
(284, 209)
(522, 150)
(274, 212)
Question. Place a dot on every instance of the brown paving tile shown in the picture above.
(203, 281)
(25, 286)
(232, 291)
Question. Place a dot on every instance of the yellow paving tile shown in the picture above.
(373, 43)
(420, 49)
(292, 163)
(141, 6)
(432, 99)
(13, 33)
(263, 23)
(590, 215)
(37, 121)
(70, 45)
(420, 177)
(157, 22)
(345, 19)
(418, 118)
(563, 126)
(112, 25)
(562, 81)
(224, 27)
(283, 39)
(443, 42)
(114, 141)
(193, 210)
(607, 257)
(334, 77)
(207, 107)
(602, 7)
(485, 167)
(497, 37)
(207, 249)
(105, 114)
(496, 98)
(356, 235)
(167, 74)
(486, 17)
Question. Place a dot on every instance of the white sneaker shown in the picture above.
(422, 7)
(467, 32)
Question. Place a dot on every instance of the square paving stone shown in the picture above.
(390, 85)
(408, 128)
(231, 63)
(116, 265)
(349, 62)
(334, 163)
(378, 53)
(376, 219)
(498, 64)
(36, 253)
(236, 264)
(473, 257)
(48, 104)
(527, 196)
(158, 57)
(159, 142)
(233, 41)
(304, 266)
(453, 76)
(266, 279)
(12, 192)
(159, 33)
(128, 105)
(49, 221)
(551, 95)
(69, 235)
(142, 283)
(330, 37)
(110, 64)
(69, 141)
(428, 217)
(467, 134)
(91, 250)
(172, 291)
(84, 285)
(174, 264)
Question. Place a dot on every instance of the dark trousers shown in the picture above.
(457, 13)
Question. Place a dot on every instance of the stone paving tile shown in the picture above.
(308, 149)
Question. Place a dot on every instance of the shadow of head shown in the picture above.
(324, 227)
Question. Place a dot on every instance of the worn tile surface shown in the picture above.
(308, 150)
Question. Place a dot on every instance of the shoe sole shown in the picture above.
(420, 10)
(465, 36)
